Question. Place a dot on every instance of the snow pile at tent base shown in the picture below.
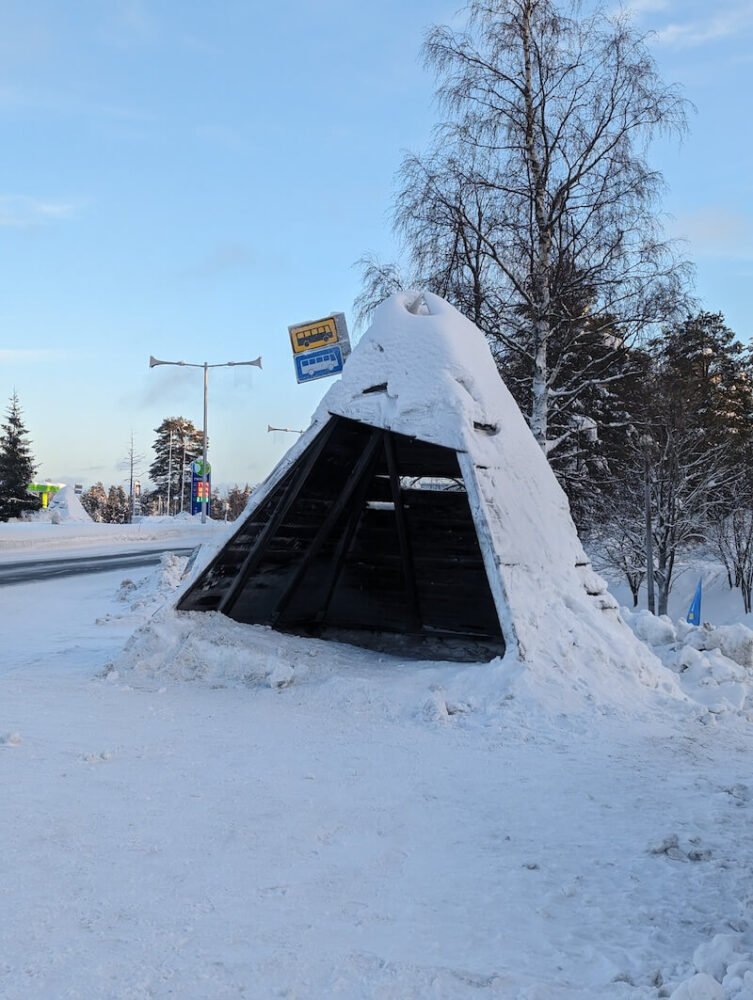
(703, 672)
(211, 649)
(713, 664)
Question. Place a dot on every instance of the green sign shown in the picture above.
(45, 487)
(197, 467)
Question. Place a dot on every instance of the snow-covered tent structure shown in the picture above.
(418, 503)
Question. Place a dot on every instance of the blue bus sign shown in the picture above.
(319, 364)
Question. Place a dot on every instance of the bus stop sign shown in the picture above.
(320, 347)
(319, 364)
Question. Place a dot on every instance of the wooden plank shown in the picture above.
(300, 474)
(337, 508)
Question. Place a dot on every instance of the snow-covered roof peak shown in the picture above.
(424, 370)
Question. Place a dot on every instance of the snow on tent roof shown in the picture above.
(423, 373)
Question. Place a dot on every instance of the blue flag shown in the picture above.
(694, 611)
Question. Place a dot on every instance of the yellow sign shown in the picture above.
(307, 336)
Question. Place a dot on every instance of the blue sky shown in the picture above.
(185, 180)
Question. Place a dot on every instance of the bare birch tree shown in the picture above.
(733, 536)
(536, 207)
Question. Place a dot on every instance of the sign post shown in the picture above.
(44, 491)
(201, 487)
(320, 347)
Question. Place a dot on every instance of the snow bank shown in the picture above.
(713, 664)
(210, 649)
(42, 537)
(724, 970)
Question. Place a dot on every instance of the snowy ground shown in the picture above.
(198, 809)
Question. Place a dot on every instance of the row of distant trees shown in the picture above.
(114, 505)
(177, 444)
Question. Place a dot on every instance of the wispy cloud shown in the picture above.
(65, 104)
(132, 23)
(715, 231)
(225, 136)
(725, 21)
(23, 212)
(31, 356)
(226, 258)
(638, 7)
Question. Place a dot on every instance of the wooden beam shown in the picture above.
(409, 574)
(300, 475)
(355, 478)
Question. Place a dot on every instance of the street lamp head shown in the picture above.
(155, 361)
(234, 364)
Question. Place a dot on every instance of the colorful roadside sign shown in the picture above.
(320, 333)
(319, 364)
(44, 490)
(198, 496)
(44, 487)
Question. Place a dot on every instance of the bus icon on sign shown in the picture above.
(318, 364)
(312, 335)
(325, 332)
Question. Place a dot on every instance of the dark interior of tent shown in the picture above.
(368, 538)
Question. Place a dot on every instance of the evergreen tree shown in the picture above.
(178, 443)
(237, 499)
(94, 502)
(706, 373)
(217, 508)
(682, 467)
(117, 508)
(17, 466)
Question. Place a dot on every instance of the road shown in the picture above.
(45, 569)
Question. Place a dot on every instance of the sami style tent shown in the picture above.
(417, 505)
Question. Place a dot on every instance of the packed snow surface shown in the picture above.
(200, 809)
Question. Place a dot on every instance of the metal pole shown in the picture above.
(649, 532)
(169, 471)
(183, 472)
(205, 477)
(130, 484)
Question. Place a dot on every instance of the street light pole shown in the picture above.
(169, 472)
(153, 362)
(204, 471)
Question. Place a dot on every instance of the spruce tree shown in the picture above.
(17, 466)
(237, 499)
(178, 443)
(94, 501)
(707, 372)
(117, 506)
